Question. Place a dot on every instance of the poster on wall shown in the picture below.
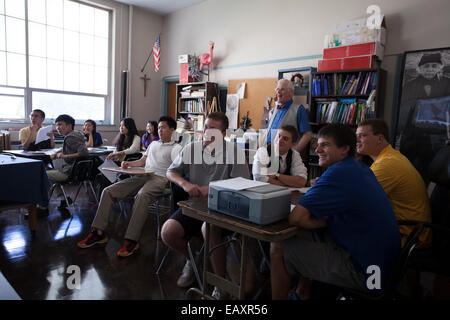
(232, 110)
(424, 106)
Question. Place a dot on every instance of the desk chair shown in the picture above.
(178, 194)
(396, 276)
(435, 259)
(81, 173)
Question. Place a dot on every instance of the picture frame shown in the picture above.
(423, 113)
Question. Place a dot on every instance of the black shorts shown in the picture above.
(192, 227)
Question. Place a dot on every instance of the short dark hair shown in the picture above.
(292, 130)
(378, 126)
(219, 116)
(66, 119)
(42, 113)
(342, 135)
(169, 120)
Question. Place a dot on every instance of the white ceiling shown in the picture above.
(162, 7)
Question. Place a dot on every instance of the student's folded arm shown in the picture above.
(302, 218)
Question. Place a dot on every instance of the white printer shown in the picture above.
(260, 203)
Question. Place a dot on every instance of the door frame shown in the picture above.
(165, 85)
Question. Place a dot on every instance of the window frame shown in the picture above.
(108, 107)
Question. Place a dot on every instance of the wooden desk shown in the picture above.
(197, 208)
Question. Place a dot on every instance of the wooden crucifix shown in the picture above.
(145, 78)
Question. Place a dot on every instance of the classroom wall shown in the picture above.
(145, 28)
(255, 38)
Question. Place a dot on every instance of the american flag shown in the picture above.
(156, 52)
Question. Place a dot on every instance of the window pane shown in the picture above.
(101, 80)
(2, 6)
(101, 51)
(55, 13)
(71, 46)
(36, 10)
(101, 23)
(15, 69)
(15, 8)
(38, 72)
(37, 39)
(71, 76)
(55, 43)
(71, 15)
(86, 78)
(2, 33)
(78, 106)
(86, 49)
(12, 107)
(3, 68)
(15, 91)
(87, 19)
(55, 74)
(15, 35)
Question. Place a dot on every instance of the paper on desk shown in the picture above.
(42, 134)
(237, 183)
(301, 190)
(110, 175)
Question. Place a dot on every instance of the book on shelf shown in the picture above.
(198, 94)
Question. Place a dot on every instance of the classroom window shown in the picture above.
(58, 52)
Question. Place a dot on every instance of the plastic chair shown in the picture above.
(178, 194)
(81, 173)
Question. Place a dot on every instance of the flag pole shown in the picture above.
(151, 52)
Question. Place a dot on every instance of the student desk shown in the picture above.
(24, 183)
(45, 153)
(197, 208)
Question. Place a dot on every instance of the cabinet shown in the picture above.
(193, 101)
(343, 97)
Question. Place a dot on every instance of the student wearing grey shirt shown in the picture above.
(196, 166)
(73, 148)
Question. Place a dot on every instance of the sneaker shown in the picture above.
(129, 247)
(220, 295)
(93, 238)
(187, 275)
(63, 204)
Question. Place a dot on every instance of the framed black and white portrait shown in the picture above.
(424, 106)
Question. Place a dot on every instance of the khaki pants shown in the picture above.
(55, 176)
(144, 188)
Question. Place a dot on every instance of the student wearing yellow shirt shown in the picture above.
(402, 183)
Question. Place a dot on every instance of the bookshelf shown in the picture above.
(193, 99)
(344, 96)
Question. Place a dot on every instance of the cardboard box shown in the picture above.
(354, 32)
(350, 63)
(354, 50)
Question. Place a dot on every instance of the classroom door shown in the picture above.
(172, 99)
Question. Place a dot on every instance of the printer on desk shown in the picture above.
(261, 204)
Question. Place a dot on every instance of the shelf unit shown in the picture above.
(193, 99)
(343, 103)
(306, 72)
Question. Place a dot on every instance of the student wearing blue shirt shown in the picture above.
(93, 138)
(287, 112)
(361, 231)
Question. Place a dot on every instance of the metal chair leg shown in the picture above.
(194, 265)
(65, 198)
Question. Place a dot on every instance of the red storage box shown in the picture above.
(361, 49)
(329, 65)
(361, 62)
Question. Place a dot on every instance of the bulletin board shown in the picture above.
(256, 92)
